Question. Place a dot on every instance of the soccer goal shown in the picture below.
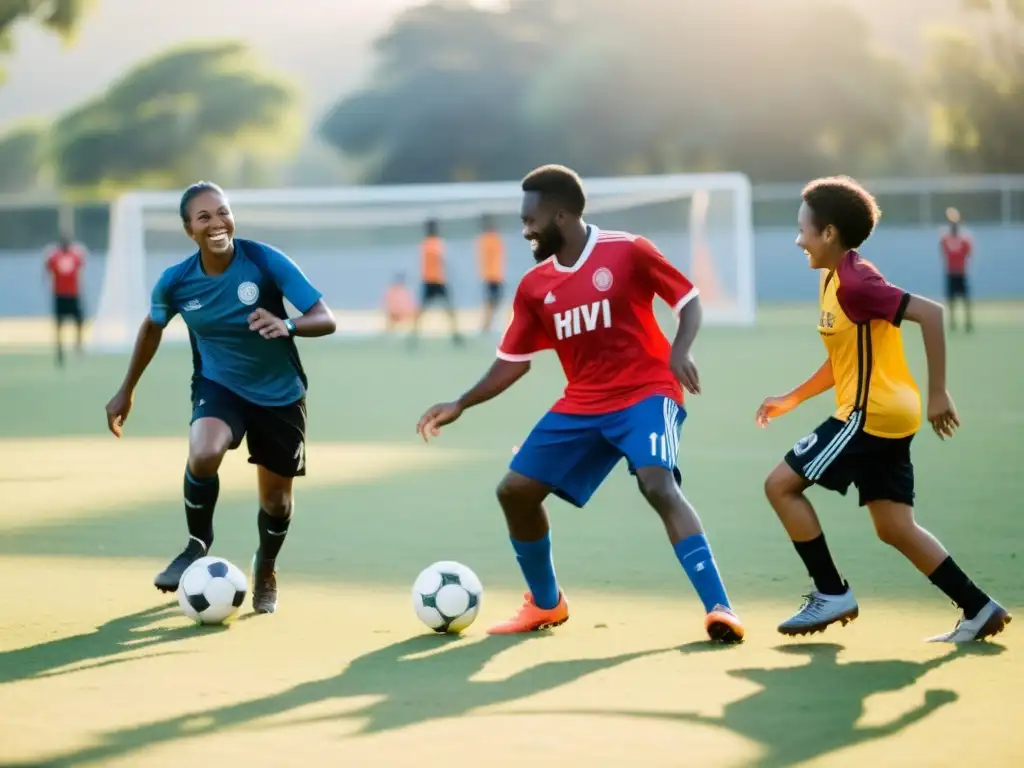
(356, 242)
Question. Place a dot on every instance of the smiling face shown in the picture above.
(210, 222)
(816, 243)
(541, 226)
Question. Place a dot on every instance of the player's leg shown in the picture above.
(886, 485)
(951, 295)
(79, 319)
(492, 297)
(647, 434)
(565, 455)
(815, 459)
(58, 325)
(277, 445)
(965, 297)
(427, 296)
(216, 428)
(449, 307)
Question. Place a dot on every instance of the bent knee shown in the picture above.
(658, 486)
(276, 502)
(783, 481)
(517, 490)
(204, 461)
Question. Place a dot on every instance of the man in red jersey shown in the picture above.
(64, 264)
(956, 250)
(590, 300)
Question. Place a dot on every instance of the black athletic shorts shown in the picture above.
(434, 292)
(838, 454)
(956, 286)
(493, 292)
(276, 435)
(67, 306)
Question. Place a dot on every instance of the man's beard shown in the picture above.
(547, 243)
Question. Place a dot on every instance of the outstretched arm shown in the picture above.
(820, 381)
(501, 375)
(941, 410)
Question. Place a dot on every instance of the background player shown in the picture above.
(491, 255)
(867, 442)
(399, 306)
(590, 299)
(247, 379)
(957, 249)
(435, 284)
(64, 264)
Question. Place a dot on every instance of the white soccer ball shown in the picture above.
(446, 596)
(212, 590)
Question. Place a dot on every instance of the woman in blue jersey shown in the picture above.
(247, 381)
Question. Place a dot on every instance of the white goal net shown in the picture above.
(354, 242)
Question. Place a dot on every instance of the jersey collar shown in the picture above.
(587, 250)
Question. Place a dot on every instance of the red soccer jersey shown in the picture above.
(64, 266)
(598, 316)
(957, 249)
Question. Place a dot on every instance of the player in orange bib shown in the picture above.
(866, 442)
(435, 284)
(491, 253)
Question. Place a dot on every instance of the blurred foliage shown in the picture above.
(207, 110)
(62, 16)
(22, 158)
(976, 77)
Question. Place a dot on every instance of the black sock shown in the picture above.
(200, 500)
(272, 533)
(820, 567)
(961, 590)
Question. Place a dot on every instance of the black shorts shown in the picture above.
(434, 292)
(956, 286)
(276, 435)
(67, 306)
(493, 292)
(838, 454)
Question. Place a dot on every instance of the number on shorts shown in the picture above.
(658, 444)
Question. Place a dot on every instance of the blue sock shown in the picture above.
(694, 554)
(538, 569)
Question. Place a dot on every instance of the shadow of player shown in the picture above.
(810, 710)
(419, 679)
(109, 644)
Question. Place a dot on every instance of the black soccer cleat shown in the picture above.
(167, 580)
(264, 585)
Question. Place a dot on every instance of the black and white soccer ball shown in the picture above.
(212, 590)
(446, 596)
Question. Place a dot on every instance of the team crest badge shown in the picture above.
(603, 279)
(804, 444)
(248, 293)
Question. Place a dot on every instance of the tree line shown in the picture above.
(782, 91)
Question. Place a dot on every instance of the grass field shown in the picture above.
(97, 668)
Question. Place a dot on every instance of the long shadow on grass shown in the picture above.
(811, 710)
(419, 679)
(108, 644)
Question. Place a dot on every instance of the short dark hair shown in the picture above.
(558, 184)
(432, 226)
(842, 202)
(192, 193)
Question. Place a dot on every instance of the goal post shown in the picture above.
(354, 242)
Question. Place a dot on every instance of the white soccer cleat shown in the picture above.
(820, 610)
(991, 620)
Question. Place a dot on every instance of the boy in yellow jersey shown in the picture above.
(491, 253)
(435, 285)
(866, 442)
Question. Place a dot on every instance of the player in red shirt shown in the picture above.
(957, 248)
(590, 298)
(64, 264)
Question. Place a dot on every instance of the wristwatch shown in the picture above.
(290, 325)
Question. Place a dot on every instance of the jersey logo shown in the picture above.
(804, 444)
(826, 320)
(603, 279)
(583, 319)
(550, 298)
(189, 306)
(248, 293)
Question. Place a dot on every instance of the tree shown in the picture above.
(22, 157)
(976, 77)
(210, 110)
(61, 16)
(625, 87)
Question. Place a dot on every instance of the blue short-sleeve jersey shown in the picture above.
(216, 309)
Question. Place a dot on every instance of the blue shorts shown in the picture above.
(573, 454)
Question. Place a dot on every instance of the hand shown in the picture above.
(685, 370)
(772, 408)
(269, 326)
(436, 417)
(942, 414)
(118, 408)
